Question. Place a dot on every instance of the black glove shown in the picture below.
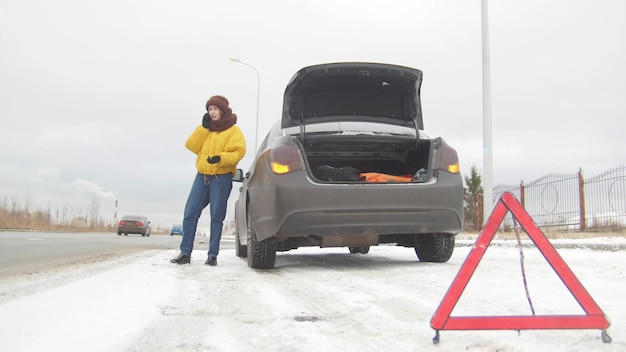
(213, 159)
(206, 120)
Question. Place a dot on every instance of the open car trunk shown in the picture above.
(359, 93)
(338, 159)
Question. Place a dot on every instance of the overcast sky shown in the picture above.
(98, 97)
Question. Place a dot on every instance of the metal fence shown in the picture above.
(570, 202)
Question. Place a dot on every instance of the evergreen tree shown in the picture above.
(472, 195)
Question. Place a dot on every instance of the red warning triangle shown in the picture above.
(441, 320)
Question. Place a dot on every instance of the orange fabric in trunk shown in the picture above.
(379, 177)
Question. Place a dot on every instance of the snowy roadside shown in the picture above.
(592, 241)
(315, 300)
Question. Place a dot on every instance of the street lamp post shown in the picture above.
(258, 92)
(487, 138)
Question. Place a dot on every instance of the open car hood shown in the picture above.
(354, 91)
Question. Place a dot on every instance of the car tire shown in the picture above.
(359, 250)
(241, 251)
(434, 248)
(260, 254)
(119, 233)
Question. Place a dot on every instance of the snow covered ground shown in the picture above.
(315, 300)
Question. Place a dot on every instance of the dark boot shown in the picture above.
(212, 261)
(181, 259)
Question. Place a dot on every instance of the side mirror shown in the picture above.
(238, 176)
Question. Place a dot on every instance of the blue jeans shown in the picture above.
(206, 189)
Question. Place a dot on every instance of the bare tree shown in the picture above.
(27, 206)
(94, 212)
(15, 211)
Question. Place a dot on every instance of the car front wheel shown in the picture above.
(261, 254)
(434, 247)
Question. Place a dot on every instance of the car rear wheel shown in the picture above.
(361, 250)
(434, 247)
(261, 254)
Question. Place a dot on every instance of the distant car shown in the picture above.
(320, 176)
(133, 224)
(176, 230)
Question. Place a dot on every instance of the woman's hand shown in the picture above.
(213, 159)
(206, 120)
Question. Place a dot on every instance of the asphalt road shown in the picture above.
(26, 252)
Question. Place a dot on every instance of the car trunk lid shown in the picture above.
(361, 92)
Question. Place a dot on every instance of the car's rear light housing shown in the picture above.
(122, 222)
(449, 159)
(285, 159)
(139, 223)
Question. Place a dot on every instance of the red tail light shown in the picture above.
(122, 222)
(449, 160)
(139, 223)
(285, 159)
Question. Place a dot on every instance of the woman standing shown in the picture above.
(219, 146)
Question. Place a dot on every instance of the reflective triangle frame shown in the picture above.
(441, 320)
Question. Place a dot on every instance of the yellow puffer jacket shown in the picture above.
(229, 144)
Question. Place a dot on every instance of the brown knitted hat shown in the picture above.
(221, 102)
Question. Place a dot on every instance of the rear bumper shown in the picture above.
(293, 205)
(134, 230)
